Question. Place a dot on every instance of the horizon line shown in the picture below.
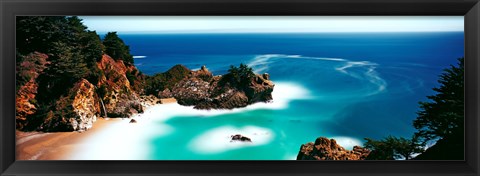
(267, 32)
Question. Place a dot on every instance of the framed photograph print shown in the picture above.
(256, 87)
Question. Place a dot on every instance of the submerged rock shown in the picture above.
(328, 149)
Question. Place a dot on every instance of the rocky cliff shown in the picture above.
(75, 111)
(328, 149)
(204, 91)
(29, 69)
(120, 87)
(119, 90)
(116, 94)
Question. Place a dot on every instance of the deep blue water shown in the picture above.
(359, 84)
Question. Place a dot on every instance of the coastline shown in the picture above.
(64, 145)
(55, 145)
(117, 139)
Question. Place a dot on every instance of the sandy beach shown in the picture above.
(57, 145)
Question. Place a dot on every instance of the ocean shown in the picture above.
(346, 86)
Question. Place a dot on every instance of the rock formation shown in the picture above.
(204, 91)
(74, 112)
(118, 89)
(31, 67)
(328, 149)
(120, 93)
(241, 138)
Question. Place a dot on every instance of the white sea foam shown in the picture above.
(218, 140)
(347, 142)
(261, 64)
(139, 57)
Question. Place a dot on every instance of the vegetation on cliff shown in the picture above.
(116, 48)
(161, 81)
(238, 88)
(56, 56)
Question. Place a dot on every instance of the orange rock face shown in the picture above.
(123, 83)
(328, 149)
(75, 112)
(25, 105)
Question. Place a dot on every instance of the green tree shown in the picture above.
(116, 48)
(37, 33)
(168, 79)
(443, 115)
(380, 150)
(241, 75)
(391, 148)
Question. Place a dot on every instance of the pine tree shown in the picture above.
(443, 115)
(391, 148)
(116, 48)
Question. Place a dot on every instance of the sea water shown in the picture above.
(346, 86)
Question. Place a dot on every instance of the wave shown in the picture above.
(262, 63)
(139, 57)
(347, 142)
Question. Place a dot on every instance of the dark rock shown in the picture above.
(239, 137)
(133, 121)
(204, 91)
(266, 76)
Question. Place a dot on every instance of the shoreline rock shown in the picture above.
(241, 138)
(328, 149)
(204, 91)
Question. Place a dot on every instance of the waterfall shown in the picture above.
(103, 106)
(101, 101)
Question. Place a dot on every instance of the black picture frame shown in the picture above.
(11, 8)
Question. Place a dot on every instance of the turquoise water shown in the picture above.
(344, 86)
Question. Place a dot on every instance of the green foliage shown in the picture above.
(168, 79)
(241, 75)
(443, 115)
(131, 77)
(37, 33)
(72, 50)
(116, 48)
(391, 148)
